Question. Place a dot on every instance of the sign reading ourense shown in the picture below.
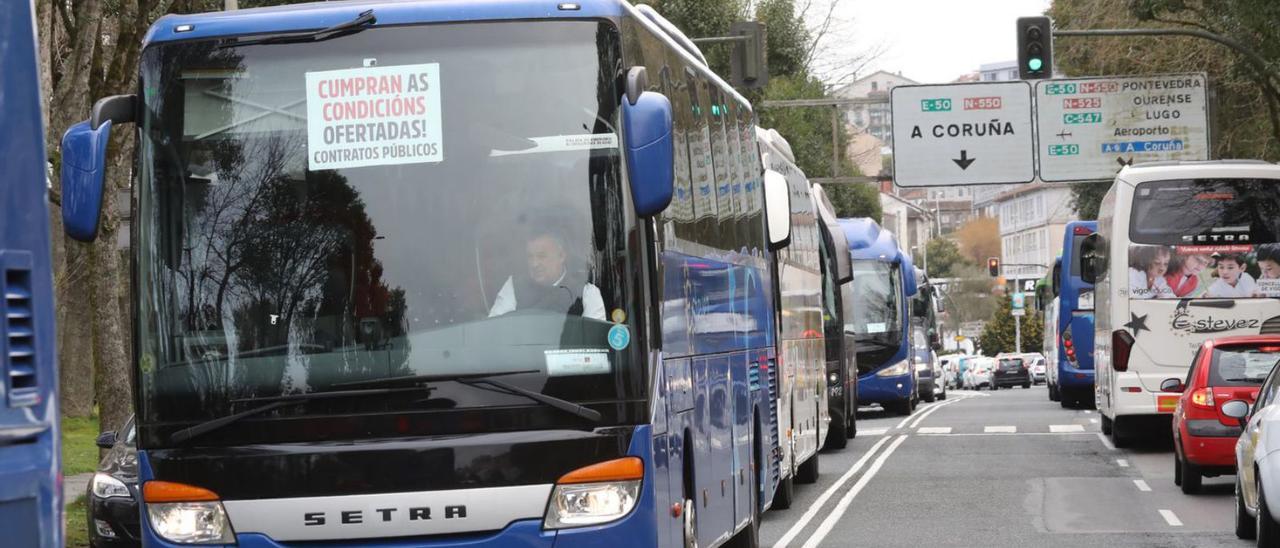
(962, 134)
(1090, 128)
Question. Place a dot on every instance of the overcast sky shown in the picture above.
(930, 41)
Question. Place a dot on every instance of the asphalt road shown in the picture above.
(1004, 468)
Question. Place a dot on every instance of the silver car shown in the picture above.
(1257, 506)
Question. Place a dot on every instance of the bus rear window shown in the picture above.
(1206, 212)
(1242, 366)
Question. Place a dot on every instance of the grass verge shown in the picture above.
(79, 453)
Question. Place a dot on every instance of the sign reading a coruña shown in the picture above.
(962, 134)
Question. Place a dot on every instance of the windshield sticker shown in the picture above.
(619, 337)
(618, 315)
(1228, 271)
(562, 143)
(374, 116)
(563, 363)
(876, 328)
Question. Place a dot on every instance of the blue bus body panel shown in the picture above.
(30, 486)
(868, 241)
(1080, 321)
(300, 17)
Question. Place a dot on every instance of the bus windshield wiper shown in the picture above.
(480, 380)
(276, 402)
(361, 22)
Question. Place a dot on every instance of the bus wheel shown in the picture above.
(786, 493)
(901, 407)
(690, 524)
(1106, 425)
(1120, 435)
(1053, 393)
(837, 437)
(808, 472)
(851, 430)
(749, 536)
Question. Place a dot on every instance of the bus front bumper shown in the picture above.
(876, 389)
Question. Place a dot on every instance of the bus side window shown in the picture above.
(732, 131)
(704, 203)
(753, 189)
(681, 208)
(725, 238)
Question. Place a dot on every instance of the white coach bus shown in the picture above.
(1185, 252)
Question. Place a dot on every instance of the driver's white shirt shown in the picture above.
(592, 302)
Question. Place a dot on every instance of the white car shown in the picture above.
(978, 374)
(1258, 481)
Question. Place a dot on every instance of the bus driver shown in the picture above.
(549, 284)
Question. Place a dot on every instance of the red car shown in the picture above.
(1225, 369)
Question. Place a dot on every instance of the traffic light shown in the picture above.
(748, 65)
(993, 266)
(1035, 48)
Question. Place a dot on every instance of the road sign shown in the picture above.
(972, 330)
(1018, 301)
(962, 134)
(1019, 312)
(1089, 128)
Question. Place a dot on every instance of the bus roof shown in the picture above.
(867, 240)
(319, 15)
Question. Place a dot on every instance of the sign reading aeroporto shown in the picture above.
(962, 134)
(1091, 127)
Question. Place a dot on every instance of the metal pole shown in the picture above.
(1017, 334)
(835, 141)
(1258, 61)
(230, 5)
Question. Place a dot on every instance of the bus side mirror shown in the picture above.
(650, 151)
(777, 200)
(1093, 259)
(84, 159)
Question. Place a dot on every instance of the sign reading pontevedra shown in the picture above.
(374, 116)
(962, 134)
(1090, 128)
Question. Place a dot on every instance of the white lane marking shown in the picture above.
(1094, 421)
(1106, 441)
(1000, 430)
(1122, 463)
(998, 434)
(817, 504)
(872, 431)
(934, 430)
(923, 408)
(843, 506)
(1171, 518)
(1088, 412)
(926, 414)
(1142, 486)
(1061, 428)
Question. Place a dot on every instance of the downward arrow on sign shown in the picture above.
(964, 160)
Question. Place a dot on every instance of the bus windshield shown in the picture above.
(418, 200)
(1205, 238)
(877, 317)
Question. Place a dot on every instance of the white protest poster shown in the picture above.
(374, 116)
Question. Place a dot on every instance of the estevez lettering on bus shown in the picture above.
(1182, 321)
(374, 116)
(352, 517)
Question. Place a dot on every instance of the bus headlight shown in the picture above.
(186, 514)
(595, 494)
(1086, 299)
(105, 487)
(902, 368)
(191, 522)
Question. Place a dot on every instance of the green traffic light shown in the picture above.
(1035, 63)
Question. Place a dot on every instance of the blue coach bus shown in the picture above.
(397, 285)
(1069, 317)
(883, 284)
(30, 459)
(925, 340)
